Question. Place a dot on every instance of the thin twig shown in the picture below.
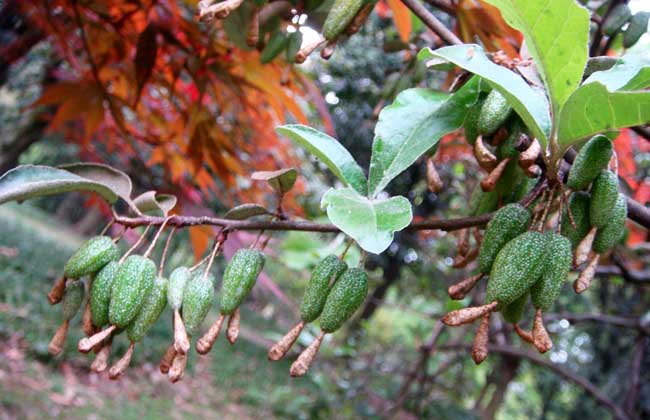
(432, 22)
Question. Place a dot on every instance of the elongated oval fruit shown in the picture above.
(153, 306)
(592, 158)
(509, 222)
(340, 16)
(558, 264)
(275, 46)
(517, 267)
(482, 202)
(197, 300)
(604, 193)
(100, 293)
(178, 280)
(344, 299)
(508, 147)
(637, 27)
(494, 112)
(322, 278)
(471, 123)
(513, 312)
(239, 278)
(619, 15)
(611, 233)
(94, 254)
(72, 299)
(579, 204)
(133, 281)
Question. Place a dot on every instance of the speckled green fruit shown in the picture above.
(604, 193)
(517, 267)
(197, 300)
(558, 264)
(344, 299)
(513, 312)
(132, 283)
(100, 293)
(509, 222)
(239, 278)
(579, 204)
(322, 278)
(72, 298)
(482, 202)
(153, 306)
(177, 282)
(494, 112)
(592, 158)
(94, 254)
(275, 46)
(340, 16)
(611, 233)
(471, 123)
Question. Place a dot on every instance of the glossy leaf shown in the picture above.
(557, 36)
(245, 211)
(117, 180)
(413, 124)
(281, 180)
(531, 104)
(152, 202)
(330, 151)
(592, 109)
(371, 223)
(31, 181)
(631, 72)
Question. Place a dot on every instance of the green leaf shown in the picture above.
(154, 203)
(330, 151)
(371, 223)
(281, 180)
(531, 104)
(245, 211)
(413, 124)
(592, 109)
(30, 181)
(631, 72)
(117, 180)
(557, 36)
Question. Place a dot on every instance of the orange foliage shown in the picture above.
(479, 19)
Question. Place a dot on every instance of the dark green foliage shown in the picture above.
(516, 268)
(579, 204)
(612, 232)
(153, 306)
(508, 223)
(197, 300)
(619, 15)
(322, 278)
(132, 283)
(482, 202)
(91, 257)
(557, 266)
(604, 193)
(100, 293)
(239, 278)
(494, 112)
(590, 161)
(637, 27)
(344, 299)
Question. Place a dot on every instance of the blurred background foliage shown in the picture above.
(195, 120)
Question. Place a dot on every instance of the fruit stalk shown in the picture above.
(280, 349)
(304, 361)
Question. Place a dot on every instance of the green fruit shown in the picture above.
(517, 267)
(322, 278)
(177, 282)
(513, 312)
(340, 16)
(293, 45)
(579, 204)
(72, 299)
(612, 232)
(91, 257)
(239, 278)
(592, 158)
(100, 293)
(132, 283)
(557, 266)
(509, 179)
(508, 147)
(276, 44)
(604, 193)
(153, 306)
(482, 202)
(494, 112)
(471, 122)
(344, 299)
(637, 27)
(197, 300)
(616, 19)
(508, 223)
(523, 187)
